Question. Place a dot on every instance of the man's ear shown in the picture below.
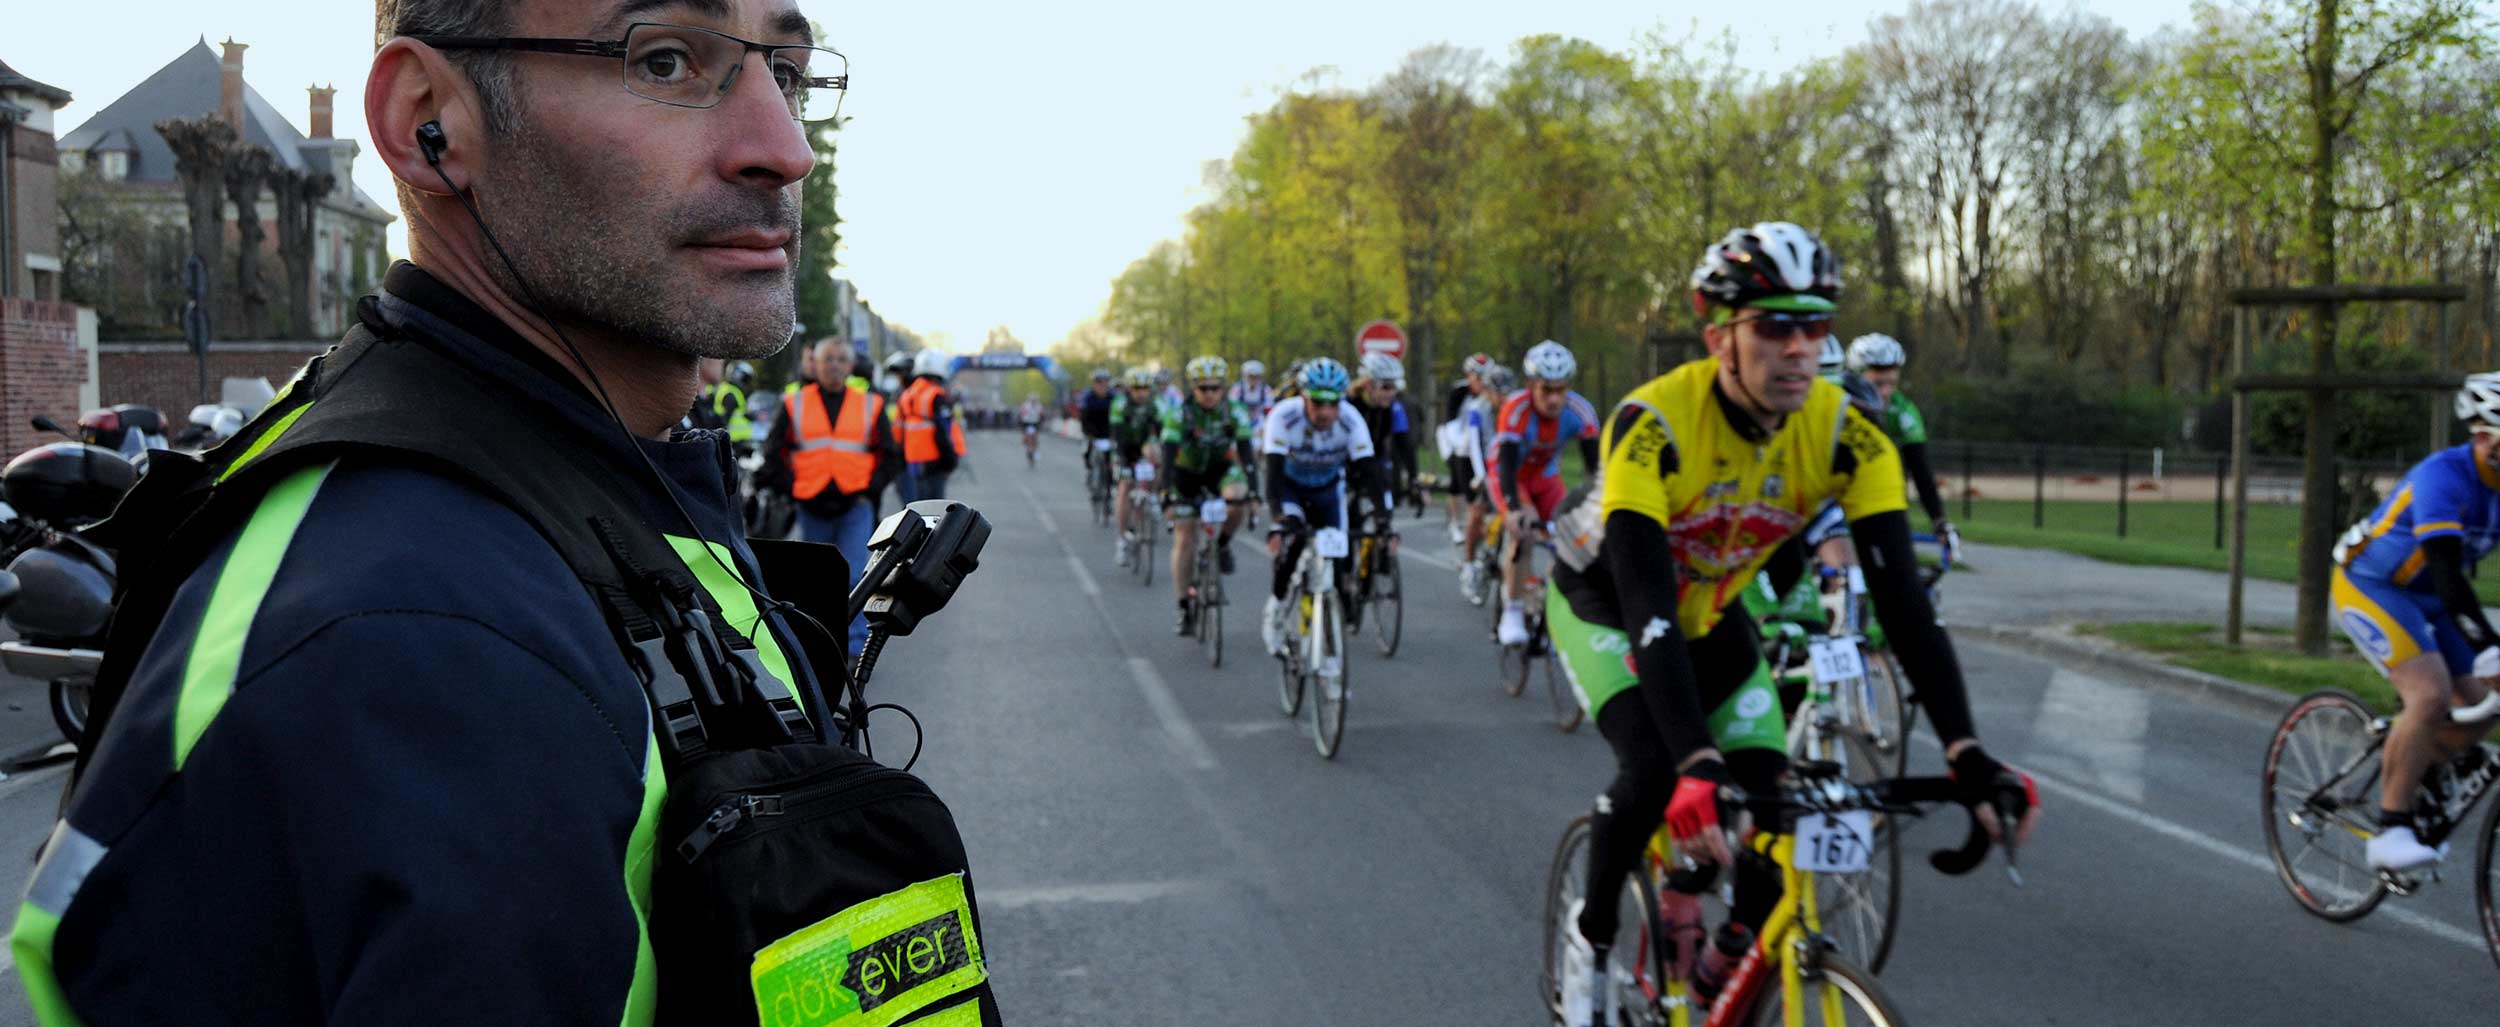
(1714, 337)
(410, 85)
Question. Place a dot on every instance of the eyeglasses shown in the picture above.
(1783, 327)
(1210, 388)
(683, 66)
(1552, 388)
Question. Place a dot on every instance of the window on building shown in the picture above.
(47, 285)
(73, 161)
(116, 166)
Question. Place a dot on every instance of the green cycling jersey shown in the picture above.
(1207, 438)
(1901, 420)
(1134, 424)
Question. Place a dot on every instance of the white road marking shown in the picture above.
(1084, 578)
(1168, 710)
(2211, 845)
(23, 780)
(1437, 561)
(1126, 893)
(2094, 730)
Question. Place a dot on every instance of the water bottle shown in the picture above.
(1719, 964)
(1680, 921)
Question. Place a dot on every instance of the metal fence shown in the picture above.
(2104, 488)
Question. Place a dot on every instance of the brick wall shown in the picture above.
(164, 375)
(41, 369)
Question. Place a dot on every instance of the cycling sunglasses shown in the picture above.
(1781, 327)
(1211, 388)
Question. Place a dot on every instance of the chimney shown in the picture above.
(321, 110)
(230, 93)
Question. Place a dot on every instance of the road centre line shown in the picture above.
(1167, 709)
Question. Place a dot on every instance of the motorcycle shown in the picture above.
(62, 594)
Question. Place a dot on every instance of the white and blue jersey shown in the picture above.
(1315, 460)
(2444, 495)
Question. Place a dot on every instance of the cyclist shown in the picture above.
(2401, 593)
(1093, 418)
(1375, 396)
(1499, 383)
(1528, 435)
(1317, 449)
(1206, 443)
(1878, 358)
(1255, 397)
(1029, 414)
(1167, 395)
(1136, 419)
(1707, 469)
(1454, 440)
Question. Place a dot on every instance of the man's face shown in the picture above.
(1102, 388)
(1141, 393)
(670, 226)
(1475, 383)
(1383, 392)
(1208, 395)
(834, 361)
(1253, 381)
(1548, 398)
(1884, 379)
(1770, 357)
(2486, 447)
(1323, 415)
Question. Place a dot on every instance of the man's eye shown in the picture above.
(666, 65)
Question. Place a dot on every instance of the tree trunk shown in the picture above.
(245, 167)
(2317, 499)
(200, 146)
(298, 198)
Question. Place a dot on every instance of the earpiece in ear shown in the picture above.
(431, 142)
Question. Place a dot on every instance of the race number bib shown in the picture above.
(1145, 472)
(1102, 445)
(1836, 843)
(1211, 511)
(1836, 659)
(1331, 543)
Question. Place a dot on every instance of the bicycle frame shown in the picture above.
(1790, 945)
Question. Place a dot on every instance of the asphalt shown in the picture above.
(1153, 843)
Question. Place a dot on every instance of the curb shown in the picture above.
(2212, 689)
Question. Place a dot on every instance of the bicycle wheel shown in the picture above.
(1860, 912)
(1289, 677)
(1563, 699)
(1887, 713)
(2486, 881)
(1637, 972)
(1328, 707)
(1210, 606)
(1860, 1000)
(1148, 519)
(1388, 602)
(2321, 782)
(1515, 665)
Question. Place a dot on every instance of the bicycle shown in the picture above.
(1868, 692)
(2322, 781)
(1518, 663)
(1315, 640)
(1486, 568)
(1820, 825)
(1032, 444)
(1145, 510)
(1098, 478)
(1206, 582)
(1380, 586)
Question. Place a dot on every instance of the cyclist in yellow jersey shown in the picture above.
(1707, 470)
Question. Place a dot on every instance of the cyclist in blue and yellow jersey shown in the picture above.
(1706, 471)
(2401, 593)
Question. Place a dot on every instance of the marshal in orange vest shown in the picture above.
(826, 452)
(919, 406)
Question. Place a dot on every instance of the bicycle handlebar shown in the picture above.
(1822, 790)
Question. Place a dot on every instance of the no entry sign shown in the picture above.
(1381, 337)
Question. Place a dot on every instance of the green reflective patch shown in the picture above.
(737, 605)
(31, 943)
(266, 438)
(642, 1000)
(217, 648)
(874, 963)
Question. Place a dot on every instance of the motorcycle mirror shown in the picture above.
(43, 423)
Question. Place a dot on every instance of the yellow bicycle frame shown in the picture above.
(1783, 935)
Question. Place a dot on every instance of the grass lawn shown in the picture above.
(2266, 659)
(2159, 534)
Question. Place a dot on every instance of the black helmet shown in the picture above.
(1774, 265)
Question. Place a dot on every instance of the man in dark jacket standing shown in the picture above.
(385, 761)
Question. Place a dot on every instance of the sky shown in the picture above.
(1004, 161)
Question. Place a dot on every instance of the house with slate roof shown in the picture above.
(120, 147)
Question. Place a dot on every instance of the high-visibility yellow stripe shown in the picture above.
(217, 648)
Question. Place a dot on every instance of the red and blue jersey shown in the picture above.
(1539, 437)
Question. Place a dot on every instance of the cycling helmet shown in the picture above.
(933, 364)
(742, 375)
(1549, 361)
(1324, 380)
(2479, 401)
(1476, 364)
(1501, 380)
(1834, 359)
(1208, 369)
(1774, 265)
(1381, 367)
(899, 364)
(1253, 369)
(1875, 350)
(1163, 376)
(1141, 378)
(1102, 374)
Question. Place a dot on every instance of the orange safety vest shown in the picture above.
(919, 405)
(827, 452)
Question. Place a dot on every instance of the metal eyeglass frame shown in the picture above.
(617, 49)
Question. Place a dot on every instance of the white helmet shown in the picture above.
(933, 363)
(2478, 403)
(1548, 361)
(1381, 367)
(1875, 349)
(1253, 369)
(1833, 358)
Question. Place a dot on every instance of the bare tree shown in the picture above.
(299, 195)
(200, 147)
(1428, 107)
(246, 166)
